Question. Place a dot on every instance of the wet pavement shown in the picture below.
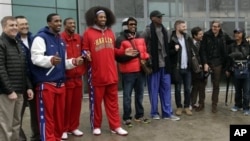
(202, 126)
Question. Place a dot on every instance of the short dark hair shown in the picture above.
(65, 20)
(178, 22)
(50, 16)
(20, 17)
(5, 19)
(90, 16)
(195, 31)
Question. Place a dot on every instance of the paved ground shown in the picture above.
(202, 126)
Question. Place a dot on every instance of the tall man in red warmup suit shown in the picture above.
(99, 43)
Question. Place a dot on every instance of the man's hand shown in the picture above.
(79, 61)
(143, 61)
(12, 96)
(56, 59)
(206, 67)
(227, 74)
(177, 47)
(30, 94)
(131, 52)
(88, 56)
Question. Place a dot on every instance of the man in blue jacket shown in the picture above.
(48, 57)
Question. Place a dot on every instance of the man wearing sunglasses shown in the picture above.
(132, 76)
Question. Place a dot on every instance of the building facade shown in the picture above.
(232, 13)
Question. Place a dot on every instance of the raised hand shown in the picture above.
(56, 59)
(79, 60)
(131, 52)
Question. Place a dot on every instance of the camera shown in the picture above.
(207, 73)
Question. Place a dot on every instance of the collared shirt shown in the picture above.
(184, 58)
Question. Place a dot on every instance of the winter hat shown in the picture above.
(125, 23)
(240, 30)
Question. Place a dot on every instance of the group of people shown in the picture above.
(45, 72)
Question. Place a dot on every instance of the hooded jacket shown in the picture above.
(101, 44)
(44, 47)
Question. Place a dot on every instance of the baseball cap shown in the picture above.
(239, 30)
(156, 13)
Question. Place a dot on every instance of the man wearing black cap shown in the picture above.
(238, 53)
(159, 83)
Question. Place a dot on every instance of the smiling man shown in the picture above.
(50, 64)
(213, 56)
(99, 42)
(26, 38)
(132, 75)
(73, 81)
(13, 81)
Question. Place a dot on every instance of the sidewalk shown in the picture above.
(202, 126)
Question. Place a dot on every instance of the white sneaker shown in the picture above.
(77, 132)
(173, 118)
(64, 136)
(156, 117)
(97, 131)
(120, 131)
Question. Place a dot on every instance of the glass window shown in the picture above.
(170, 8)
(192, 24)
(244, 14)
(194, 8)
(228, 27)
(5, 1)
(47, 3)
(36, 22)
(163, 7)
(69, 4)
(222, 8)
(64, 13)
(125, 8)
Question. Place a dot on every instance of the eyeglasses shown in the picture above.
(131, 24)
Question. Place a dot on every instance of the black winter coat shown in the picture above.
(214, 49)
(13, 73)
(176, 55)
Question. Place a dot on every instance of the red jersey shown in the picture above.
(74, 50)
(101, 44)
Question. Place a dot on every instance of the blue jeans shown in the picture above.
(242, 93)
(130, 81)
(185, 76)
